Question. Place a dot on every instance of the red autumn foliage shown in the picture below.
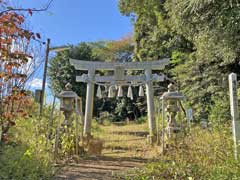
(13, 97)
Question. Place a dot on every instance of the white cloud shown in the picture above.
(36, 83)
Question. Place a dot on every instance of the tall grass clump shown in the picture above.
(203, 154)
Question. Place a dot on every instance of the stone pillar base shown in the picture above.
(151, 139)
(86, 139)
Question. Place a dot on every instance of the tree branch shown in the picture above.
(27, 9)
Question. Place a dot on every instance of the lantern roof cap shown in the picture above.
(67, 94)
(173, 95)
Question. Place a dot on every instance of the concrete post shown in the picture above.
(89, 103)
(234, 112)
(150, 103)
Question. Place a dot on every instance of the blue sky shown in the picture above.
(74, 21)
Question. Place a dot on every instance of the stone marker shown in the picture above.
(234, 112)
(189, 115)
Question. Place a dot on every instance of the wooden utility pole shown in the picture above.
(44, 77)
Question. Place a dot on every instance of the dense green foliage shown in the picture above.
(202, 39)
(61, 72)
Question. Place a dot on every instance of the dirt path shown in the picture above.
(102, 168)
(125, 148)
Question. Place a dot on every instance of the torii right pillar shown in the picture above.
(150, 106)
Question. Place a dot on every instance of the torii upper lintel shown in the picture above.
(97, 65)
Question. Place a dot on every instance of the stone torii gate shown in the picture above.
(119, 78)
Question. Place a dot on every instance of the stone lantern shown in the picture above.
(67, 103)
(172, 98)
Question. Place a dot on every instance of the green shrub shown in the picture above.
(220, 111)
(141, 120)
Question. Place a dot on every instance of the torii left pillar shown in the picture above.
(89, 103)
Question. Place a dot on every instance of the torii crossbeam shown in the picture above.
(118, 78)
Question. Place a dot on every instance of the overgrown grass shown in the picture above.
(19, 163)
(203, 154)
(26, 156)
